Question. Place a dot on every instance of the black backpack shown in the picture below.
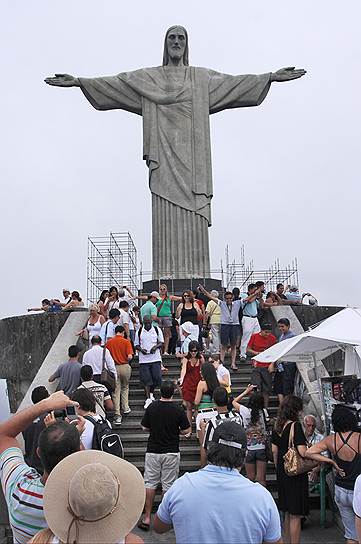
(105, 439)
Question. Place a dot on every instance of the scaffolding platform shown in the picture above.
(112, 260)
(240, 274)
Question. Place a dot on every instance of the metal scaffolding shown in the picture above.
(241, 274)
(112, 260)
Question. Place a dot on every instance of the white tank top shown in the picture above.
(93, 330)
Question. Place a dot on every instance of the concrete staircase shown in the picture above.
(135, 440)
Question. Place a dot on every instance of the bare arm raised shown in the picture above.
(63, 80)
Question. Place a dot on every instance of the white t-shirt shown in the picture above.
(357, 497)
(245, 414)
(223, 372)
(147, 340)
(87, 434)
(124, 317)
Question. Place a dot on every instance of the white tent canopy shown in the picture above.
(340, 330)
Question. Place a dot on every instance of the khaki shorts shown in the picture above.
(161, 468)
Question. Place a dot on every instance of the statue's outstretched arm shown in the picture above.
(286, 74)
(63, 80)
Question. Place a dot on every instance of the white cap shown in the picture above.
(187, 327)
(155, 294)
(215, 293)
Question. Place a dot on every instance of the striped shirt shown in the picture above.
(213, 423)
(23, 491)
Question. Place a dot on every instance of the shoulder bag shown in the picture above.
(294, 463)
(106, 377)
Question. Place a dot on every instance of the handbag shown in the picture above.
(294, 463)
(106, 377)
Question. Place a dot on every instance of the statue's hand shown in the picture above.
(62, 80)
(286, 74)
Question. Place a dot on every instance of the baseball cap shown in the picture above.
(155, 294)
(230, 433)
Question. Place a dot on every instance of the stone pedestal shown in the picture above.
(178, 286)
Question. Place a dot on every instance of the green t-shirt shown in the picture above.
(166, 309)
(149, 309)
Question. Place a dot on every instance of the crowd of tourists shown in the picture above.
(73, 483)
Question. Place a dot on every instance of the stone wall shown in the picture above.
(24, 343)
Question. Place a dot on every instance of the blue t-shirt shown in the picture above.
(250, 309)
(233, 509)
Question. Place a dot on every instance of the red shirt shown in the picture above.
(261, 343)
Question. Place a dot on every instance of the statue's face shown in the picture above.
(176, 43)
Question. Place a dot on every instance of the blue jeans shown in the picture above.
(343, 499)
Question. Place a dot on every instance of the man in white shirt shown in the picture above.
(148, 342)
(108, 328)
(94, 358)
(357, 506)
(124, 318)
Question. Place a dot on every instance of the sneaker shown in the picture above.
(165, 353)
(117, 420)
(151, 396)
(127, 411)
(147, 403)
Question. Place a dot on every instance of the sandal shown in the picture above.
(143, 526)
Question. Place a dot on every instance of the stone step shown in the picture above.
(133, 401)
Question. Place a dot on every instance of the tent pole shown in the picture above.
(323, 415)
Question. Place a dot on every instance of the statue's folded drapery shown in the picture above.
(176, 147)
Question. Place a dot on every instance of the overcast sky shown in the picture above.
(286, 174)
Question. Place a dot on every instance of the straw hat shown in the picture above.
(92, 496)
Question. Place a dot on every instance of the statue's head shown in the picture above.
(176, 45)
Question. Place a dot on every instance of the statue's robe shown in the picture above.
(177, 149)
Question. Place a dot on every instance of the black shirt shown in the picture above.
(164, 419)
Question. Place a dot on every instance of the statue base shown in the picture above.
(178, 286)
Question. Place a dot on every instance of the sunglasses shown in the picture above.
(193, 350)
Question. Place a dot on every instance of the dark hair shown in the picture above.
(255, 404)
(228, 293)
(57, 442)
(45, 301)
(215, 357)
(191, 296)
(39, 393)
(284, 321)
(279, 285)
(114, 312)
(251, 286)
(209, 374)
(271, 295)
(86, 373)
(165, 50)
(193, 344)
(76, 294)
(123, 304)
(85, 398)
(259, 283)
(102, 296)
(119, 328)
(167, 389)
(225, 456)
(220, 396)
(96, 339)
(73, 351)
(288, 411)
(266, 327)
(112, 288)
(343, 419)
(136, 309)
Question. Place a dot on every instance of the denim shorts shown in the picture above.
(343, 499)
(150, 374)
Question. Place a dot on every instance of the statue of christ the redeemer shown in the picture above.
(175, 101)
